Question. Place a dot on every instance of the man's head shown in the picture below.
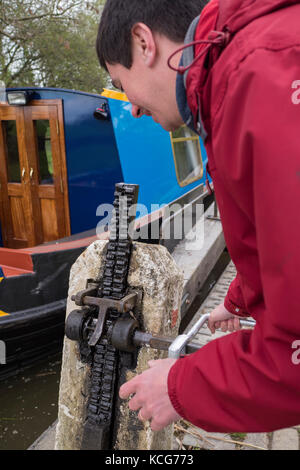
(135, 40)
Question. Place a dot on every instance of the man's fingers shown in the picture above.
(230, 325)
(224, 326)
(141, 416)
(135, 403)
(237, 325)
(144, 415)
(211, 326)
(157, 425)
(128, 388)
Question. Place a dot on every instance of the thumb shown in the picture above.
(211, 325)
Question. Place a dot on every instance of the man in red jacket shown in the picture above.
(236, 82)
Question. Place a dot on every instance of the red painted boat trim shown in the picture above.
(61, 246)
(13, 272)
(18, 259)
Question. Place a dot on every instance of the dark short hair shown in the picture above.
(168, 17)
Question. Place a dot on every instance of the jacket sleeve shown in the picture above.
(250, 380)
(234, 301)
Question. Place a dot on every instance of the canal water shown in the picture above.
(29, 404)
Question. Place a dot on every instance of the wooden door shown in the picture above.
(34, 199)
(16, 211)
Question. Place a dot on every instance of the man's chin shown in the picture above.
(168, 127)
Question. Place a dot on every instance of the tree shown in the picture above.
(50, 43)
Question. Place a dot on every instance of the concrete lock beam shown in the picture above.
(153, 270)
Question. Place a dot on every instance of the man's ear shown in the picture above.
(143, 43)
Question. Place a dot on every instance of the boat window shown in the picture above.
(12, 151)
(43, 135)
(187, 155)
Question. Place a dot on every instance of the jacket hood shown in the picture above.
(226, 17)
(188, 103)
(236, 14)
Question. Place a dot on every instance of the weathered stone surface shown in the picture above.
(154, 270)
(259, 440)
(285, 439)
(75, 375)
(210, 441)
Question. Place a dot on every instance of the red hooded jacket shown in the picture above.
(244, 95)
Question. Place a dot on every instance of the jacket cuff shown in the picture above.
(172, 387)
(234, 309)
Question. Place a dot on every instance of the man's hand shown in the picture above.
(151, 397)
(220, 317)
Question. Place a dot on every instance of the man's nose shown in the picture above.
(136, 111)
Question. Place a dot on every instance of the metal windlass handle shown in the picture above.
(179, 344)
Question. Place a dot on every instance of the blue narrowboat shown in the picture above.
(61, 154)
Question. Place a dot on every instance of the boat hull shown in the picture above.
(31, 336)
